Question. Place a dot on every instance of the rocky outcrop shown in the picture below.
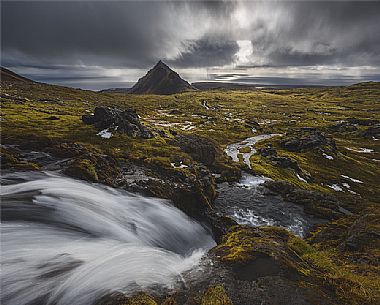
(201, 149)
(315, 203)
(307, 138)
(161, 80)
(117, 120)
(270, 153)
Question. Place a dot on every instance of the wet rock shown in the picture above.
(315, 203)
(216, 295)
(371, 132)
(123, 121)
(307, 138)
(12, 160)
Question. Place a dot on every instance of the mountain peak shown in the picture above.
(161, 79)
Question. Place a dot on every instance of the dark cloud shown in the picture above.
(208, 51)
(71, 36)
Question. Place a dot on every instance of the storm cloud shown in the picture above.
(56, 41)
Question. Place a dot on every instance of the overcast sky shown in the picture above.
(94, 44)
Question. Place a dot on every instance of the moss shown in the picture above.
(169, 301)
(82, 169)
(141, 299)
(12, 160)
(216, 295)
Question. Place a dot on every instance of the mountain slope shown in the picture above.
(161, 80)
(8, 75)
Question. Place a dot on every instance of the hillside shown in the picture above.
(7, 75)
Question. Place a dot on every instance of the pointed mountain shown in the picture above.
(9, 76)
(161, 80)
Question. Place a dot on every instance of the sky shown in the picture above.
(97, 45)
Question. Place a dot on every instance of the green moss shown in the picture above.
(141, 299)
(216, 295)
(82, 169)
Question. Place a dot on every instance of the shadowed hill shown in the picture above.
(8, 75)
(161, 80)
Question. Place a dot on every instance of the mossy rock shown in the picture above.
(216, 295)
(141, 299)
(10, 160)
(82, 169)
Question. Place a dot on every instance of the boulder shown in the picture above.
(305, 139)
(122, 121)
(200, 148)
(315, 203)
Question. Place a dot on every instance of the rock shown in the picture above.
(342, 127)
(307, 138)
(371, 132)
(315, 203)
(82, 169)
(201, 149)
(267, 151)
(114, 119)
(11, 160)
(285, 162)
(363, 122)
(52, 118)
(216, 295)
(94, 167)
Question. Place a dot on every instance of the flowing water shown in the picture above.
(68, 242)
(248, 202)
(233, 150)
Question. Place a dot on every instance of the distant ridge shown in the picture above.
(9, 76)
(161, 80)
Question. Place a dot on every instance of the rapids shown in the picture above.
(68, 242)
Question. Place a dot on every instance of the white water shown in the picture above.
(67, 242)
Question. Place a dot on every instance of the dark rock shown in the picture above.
(342, 127)
(52, 118)
(201, 149)
(267, 151)
(173, 132)
(285, 162)
(371, 132)
(123, 121)
(307, 138)
(315, 203)
(363, 122)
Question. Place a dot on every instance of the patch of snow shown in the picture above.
(361, 150)
(300, 178)
(346, 185)
(352, 179)
(327, 156)
(105, 134)
(335, 187)
(181, 165)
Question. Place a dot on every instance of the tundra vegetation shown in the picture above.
(326, 157)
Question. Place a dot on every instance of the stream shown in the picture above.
(248, 202)
(65, 241)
